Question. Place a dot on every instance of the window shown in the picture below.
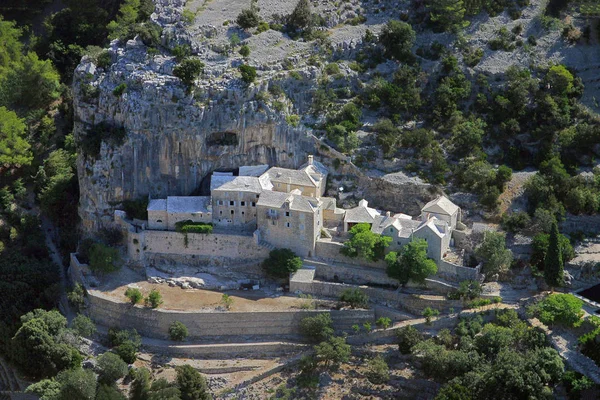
(220, 213)
(242, 213)
(232, 212)
(288, 225)
(391, 230)
(159, 221)
(243, 203)
(287, 213)
(398, 243)
(253, 204)
(232, 203)
(273, 222)
(257, 196)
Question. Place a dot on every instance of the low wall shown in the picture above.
(457, 272)
(394, 298)
(155, 323)
(327, 250)
(239, 247)
(585, 223)
(368, 276)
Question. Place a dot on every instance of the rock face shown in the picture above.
(173, 139)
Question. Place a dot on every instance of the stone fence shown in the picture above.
(393, 298)
(585, 223)
(155, 323)
(458, 272)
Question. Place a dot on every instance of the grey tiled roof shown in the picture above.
(441, 205)
(188, 204)
(253, 170)
(157, 205)
(291, 176)
(361, 214)
(294, 201)
(241, 184)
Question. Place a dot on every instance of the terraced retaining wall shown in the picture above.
(155, 323)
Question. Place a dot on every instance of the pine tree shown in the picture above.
(449, 14)
(553, 263)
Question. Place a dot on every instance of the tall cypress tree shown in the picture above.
(553, 263)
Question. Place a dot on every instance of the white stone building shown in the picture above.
(163, 214)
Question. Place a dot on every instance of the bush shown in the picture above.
(134, 295)
(333, 351)
(540, 245)
(120, 89)
(76, 296)
(248, 73)
(83, 325)
(281, 263)
(558, 308)
(136, 209)
(332, 69)
(154, 299)
(248, 18)
(515, 222)
(178, 331)
(408, 336)
(104, 59)
(428, 313)
(378, 371)
(181, 52)
(227, 301)
(110, 368)
(192, 384)
(188, 71)
(356, 298)
(301, 17)
(125, 343)
(397, 38)
(104, 259)
(467, 290)
(189, 226)
(263, 27)
(383, 322)
(244, 51)
(317, 328)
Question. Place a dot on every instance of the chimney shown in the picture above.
(310, 159)
(363, 203)
(388, 214)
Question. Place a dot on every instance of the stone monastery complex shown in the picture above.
(286, 208)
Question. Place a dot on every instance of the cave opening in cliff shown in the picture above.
(222, 139)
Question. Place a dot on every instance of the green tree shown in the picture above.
(493, 252)
(301, 17)
(154, 299)
(378, 371)
(397, 38)
(248, 73)
(356, 298)
(163, 390)
(46, 389)
(558, 308)
(111, 368)
(188, 71)
(104, 259)
(178, 331)
(411, 263)
(560, 80)
(248, 18)
(191, 384)
(281, 263)
(108, 392)
(57, 187)
(123, 26)
(317, 328)
(448, 14)
(365, 244)
(553, 262)
(467, 135)
(83, 325)
(408, 337)
(541, 243)
(333, 351)
(14, 150)
(140, 386)
(77, 384)
(134, 295)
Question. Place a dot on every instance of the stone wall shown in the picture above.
(457, 272)
(239, 247)
(394, 298)
(327, 250)
(155, 323)
(585, 223)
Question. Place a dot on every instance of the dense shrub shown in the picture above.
(125, 343)
(378, 371)
(332, 351)
(188, 71)
(281, 263)
(558, 308)
(134, 295)
(154, 299)
(104, 259)
(120, 89)
(83, 326)
(408, 337)
(356, 298)
(317, 328)
(248, 18)
(248, 73)
(189, 226)
(365, 244)
(110, 368)
(540, 245)
(397, 38)
(178, 331)
(411, 263)
(191, 384)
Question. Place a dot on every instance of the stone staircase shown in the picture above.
(266, 245)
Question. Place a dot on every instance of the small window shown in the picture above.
(273, 222)
(287, 224)
(253, 204)
(232, 203)
(242, 213)
(287, 213)
(220, 213)
(391, 230)
(257, 196)
(398, 243)
(243, 204)
(232, 212)
(159, 221)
